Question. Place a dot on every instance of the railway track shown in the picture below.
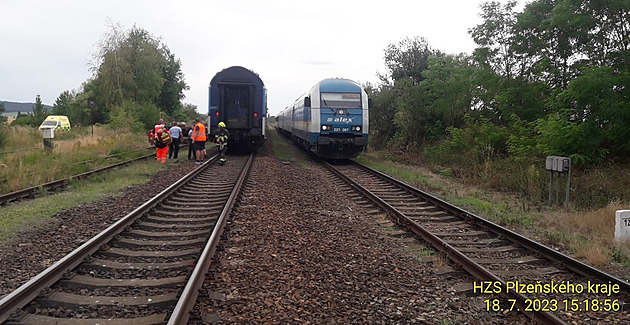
(515, 273)
(147, 267)
(31, 192)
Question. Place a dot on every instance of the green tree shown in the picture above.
(80, 114)
(39, 112)
(448, 86)
(561, 37)
(599, 102)
(495, 37)
(609, 33)
(135, 66)
(551, 35)
(187, 113)
(382, 112)
(172, 91)
(62, 103)
(409, 58)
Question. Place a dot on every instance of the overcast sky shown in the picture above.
(45, 45)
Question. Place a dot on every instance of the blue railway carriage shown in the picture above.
(238, 97)
(331, 119)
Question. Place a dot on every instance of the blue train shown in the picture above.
(331, 119)
(238, 97)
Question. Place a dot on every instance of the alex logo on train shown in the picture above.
(346, 120)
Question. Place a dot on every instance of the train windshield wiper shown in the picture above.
(332, 109)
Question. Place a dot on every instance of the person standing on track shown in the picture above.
(221, 139)
(162, 140)
(199, 139)
(176, 136)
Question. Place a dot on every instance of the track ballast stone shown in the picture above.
(299, 251)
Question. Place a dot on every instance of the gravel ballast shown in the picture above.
(300, 251)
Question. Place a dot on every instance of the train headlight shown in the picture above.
(341, 112)
(357, 128)
(325, 128)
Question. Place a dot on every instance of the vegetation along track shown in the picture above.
(516, 273)
(31, 192)
(142, 268)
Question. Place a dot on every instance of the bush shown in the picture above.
(23, 121)
(561, 137)
(124, 117)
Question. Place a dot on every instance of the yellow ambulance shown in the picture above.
(57, 122)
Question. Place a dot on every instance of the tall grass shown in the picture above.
(591, 234)
(36, 213)
(592, 186)
(25, 162)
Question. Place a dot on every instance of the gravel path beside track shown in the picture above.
(35, 250)
(303, 253)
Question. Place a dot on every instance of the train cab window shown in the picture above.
(341, 100)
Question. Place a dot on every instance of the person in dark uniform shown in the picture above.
(221, 139)
(191, 147)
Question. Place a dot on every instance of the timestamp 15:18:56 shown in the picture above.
(552, 305)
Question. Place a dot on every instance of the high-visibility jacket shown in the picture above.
(162, 138)
(221, 136)
(199, 132)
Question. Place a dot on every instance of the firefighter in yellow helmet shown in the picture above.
(221, 139)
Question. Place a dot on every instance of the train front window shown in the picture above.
(341, 100)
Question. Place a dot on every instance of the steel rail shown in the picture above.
(453, 254)
(571, 263)
(31, 289)
(188, 298)
(30, 192)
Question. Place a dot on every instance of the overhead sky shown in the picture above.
(45, 46)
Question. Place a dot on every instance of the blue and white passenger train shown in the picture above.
(331, 119)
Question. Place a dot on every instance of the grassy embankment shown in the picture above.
(73, 153)
(24, 162)
(588, 233)
(284, 149)
(35, 213)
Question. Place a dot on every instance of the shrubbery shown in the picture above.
(495, 115)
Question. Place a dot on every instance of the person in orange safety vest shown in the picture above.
(199, 141)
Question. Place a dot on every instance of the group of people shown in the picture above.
(167, 140)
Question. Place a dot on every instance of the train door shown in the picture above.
(237, 106)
